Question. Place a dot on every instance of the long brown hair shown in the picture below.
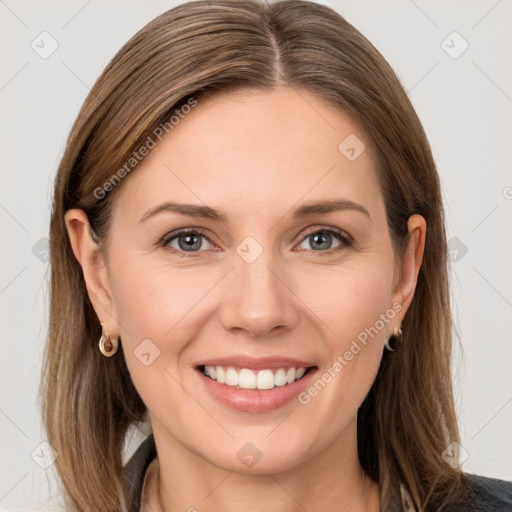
(193, 51)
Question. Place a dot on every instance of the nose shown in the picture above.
(260, 302)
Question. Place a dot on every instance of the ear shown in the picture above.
(408, 272)
(94, 269)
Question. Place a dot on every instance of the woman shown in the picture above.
(248, 251)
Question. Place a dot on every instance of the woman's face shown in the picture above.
(264, 282)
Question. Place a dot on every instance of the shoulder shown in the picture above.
(481, 493)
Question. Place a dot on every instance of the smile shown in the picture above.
(245, 378)
(254, 384)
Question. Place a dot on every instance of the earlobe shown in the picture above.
(93, 266)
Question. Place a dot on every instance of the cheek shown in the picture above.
(157, 308)
(347, 299)
(353, 306)
(153, 301)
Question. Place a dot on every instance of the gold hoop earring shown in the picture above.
(108, 346)
(395, 339)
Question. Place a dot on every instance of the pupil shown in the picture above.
(191, 242)
(320, 236)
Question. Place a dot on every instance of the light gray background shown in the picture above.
(465, 104)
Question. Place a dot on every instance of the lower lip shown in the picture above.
(256, 400)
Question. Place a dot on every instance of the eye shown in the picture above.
(188, 242)
(185, 241)
(321, 239)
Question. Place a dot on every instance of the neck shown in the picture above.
(331, 480)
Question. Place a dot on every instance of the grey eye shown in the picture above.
(187, 242)
(322, 240)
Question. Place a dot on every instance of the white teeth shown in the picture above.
(221, 375)
(265, 379)
(254, 379)
(247, 379)
(232, 377)
(280, 377)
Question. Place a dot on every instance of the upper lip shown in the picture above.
(256, 363)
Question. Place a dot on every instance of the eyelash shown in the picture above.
(343, 237)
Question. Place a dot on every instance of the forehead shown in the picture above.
(256, 149)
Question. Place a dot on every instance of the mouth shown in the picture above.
(260, 379)
(254, 385)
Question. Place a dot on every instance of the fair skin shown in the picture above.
(255, 156)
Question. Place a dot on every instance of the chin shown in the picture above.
(258, 457)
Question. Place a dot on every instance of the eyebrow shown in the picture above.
(206, 212)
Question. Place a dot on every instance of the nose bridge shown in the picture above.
(258, 285)
(258, 278)
(260, 301)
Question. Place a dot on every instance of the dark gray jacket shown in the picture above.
(482, 494)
